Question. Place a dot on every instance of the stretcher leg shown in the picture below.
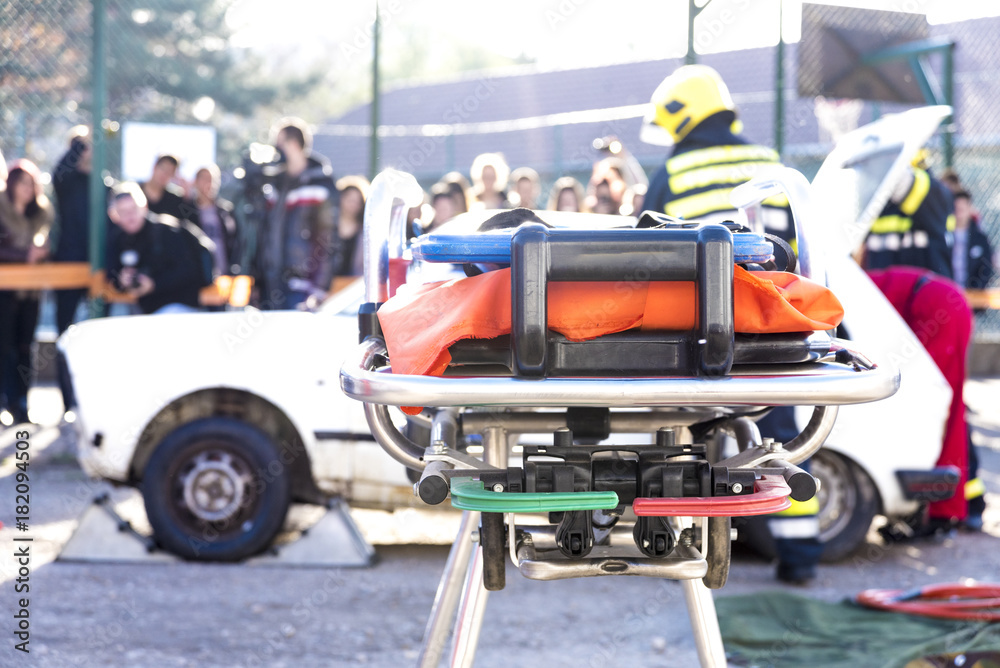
(461, 588)
(448, 592)
(704, 624)
(470, 614)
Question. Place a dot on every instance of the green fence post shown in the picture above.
(949, 98)
(98, 214)
(690, 58)
(374, 142)
(779, 89)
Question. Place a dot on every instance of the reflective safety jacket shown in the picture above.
(697, 178)
(915, 231)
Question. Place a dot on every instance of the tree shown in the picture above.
(165, 54)
(161, 57)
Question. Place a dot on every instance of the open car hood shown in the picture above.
(856, 179)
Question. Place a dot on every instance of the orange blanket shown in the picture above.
(420, 322)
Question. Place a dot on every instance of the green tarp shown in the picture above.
(781, 630)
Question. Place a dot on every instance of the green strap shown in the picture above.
(469, 494)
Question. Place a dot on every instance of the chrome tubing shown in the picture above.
(811, 439)
(444, 428)
(391, 195)
(811, 384)
(744, 430)
(400, 448)
(448, 593)
(704, 624)
(517, 422)
(797, 450)
(773, 181)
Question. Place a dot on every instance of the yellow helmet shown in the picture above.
(922, 159)
(684, 99)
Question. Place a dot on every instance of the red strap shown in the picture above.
(770, 495)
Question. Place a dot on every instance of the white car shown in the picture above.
(223, 419)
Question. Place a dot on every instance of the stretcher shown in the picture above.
(585, 500)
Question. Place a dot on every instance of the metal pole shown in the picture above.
(949, 96)
(97, 214)
(373, 146)
(779, 88)
(690, 58)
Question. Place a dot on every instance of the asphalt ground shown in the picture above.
(225, 615)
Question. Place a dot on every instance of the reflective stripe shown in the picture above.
(794, 527)
(974, 489)
(714, 175)
(719, 154)
(887, 224)
(918, 192)
(306, 196)
(693, 206)
(800, 508)
(711, 201)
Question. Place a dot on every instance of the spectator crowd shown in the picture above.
(298, 232)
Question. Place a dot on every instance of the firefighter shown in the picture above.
(914, 227)
(693, 112)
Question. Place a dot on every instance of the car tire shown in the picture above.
(848, 501)
(216, 489)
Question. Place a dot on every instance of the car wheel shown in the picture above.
(216, 489)
(848, 502)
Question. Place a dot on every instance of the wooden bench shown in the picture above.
(232, 290)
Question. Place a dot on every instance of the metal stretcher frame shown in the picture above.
(811, 384)
(825, 384)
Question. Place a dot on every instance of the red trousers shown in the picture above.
(936, 310)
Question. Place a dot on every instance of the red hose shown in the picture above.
(975, 602)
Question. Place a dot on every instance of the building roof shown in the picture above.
(555, 140)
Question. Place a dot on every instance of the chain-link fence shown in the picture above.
(168, 61)
(45, 53)
(164, 62)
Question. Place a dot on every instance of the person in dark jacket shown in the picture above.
(71, 186)
(693, 112)
(25, 220)
(353, 195)
(297, 245)
(163, 194)
(972, 254)
(214, 216)
(157, 259)
(912, 229)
